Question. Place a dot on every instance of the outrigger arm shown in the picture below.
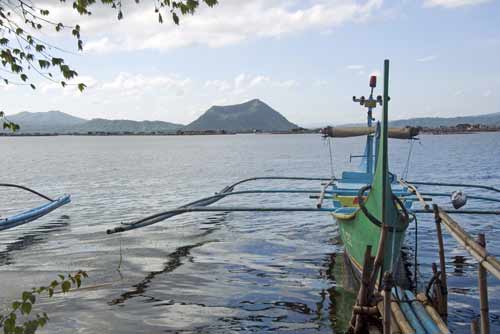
(201, 204)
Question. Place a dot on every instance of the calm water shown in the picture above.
(217, 273)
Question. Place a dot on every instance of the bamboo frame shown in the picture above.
(489, 262)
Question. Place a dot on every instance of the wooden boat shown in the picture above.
(361, 221)
(35, 213)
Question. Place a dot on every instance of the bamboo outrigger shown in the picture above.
(373, 209)
(35, 213)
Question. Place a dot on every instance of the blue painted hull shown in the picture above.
(33, 214)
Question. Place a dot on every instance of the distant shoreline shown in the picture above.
(428, 131)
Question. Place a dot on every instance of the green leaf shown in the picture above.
(9, 325)
(15, 305)
(66, 286)
(26, 308)
(175, 18)
(32, 299)
(51, 292)
(81, 87)
(26, 295)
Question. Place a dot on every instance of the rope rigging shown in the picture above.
(27, 189)
(331, 157)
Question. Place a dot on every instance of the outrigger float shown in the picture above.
(35, 213)
(373, 209)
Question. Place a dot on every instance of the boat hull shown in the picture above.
(359, 232)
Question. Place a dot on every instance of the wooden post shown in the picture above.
(387, 302)
(438, 294)
(474, 327)
(483, 291)
(442, 263)
(364, 291)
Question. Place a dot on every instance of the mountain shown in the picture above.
(117, 126)
(50, 121)
(436, 122)
(248, 116)
(59, 122)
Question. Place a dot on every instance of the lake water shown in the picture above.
(218, 272)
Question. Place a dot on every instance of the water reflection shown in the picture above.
(174, 261)
(33, 237)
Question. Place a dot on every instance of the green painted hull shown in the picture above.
(359, 232)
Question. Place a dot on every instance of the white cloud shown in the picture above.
(426, 59)
(453, 3)
(487, 93)
(136, 84)
(244, 83)
(232, 21)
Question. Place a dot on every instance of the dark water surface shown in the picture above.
(214, 273)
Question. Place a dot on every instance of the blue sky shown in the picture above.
(304, 58)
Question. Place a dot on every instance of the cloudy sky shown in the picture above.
(305, 58)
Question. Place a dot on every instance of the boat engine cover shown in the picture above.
(458, 199)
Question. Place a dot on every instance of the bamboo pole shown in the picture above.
(489, 262)
(319, 204)
(414, 190)
(433, 313)
(438, 293)
(442, 263)
(387, 302)
(474, 327)
(483, 291)
(364, 289)
(394, 324)
(400, 318)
